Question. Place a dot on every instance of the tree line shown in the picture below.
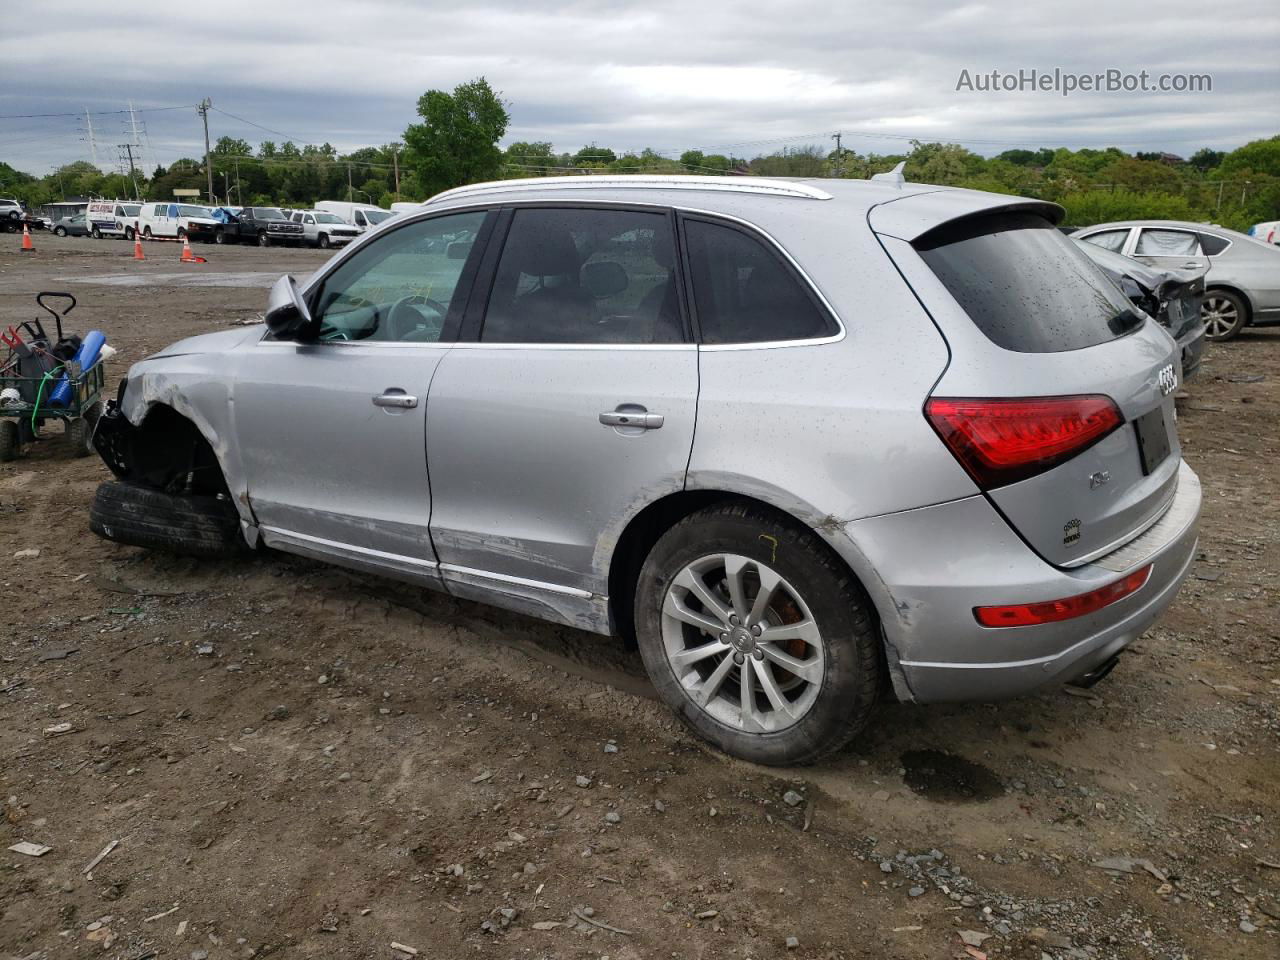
(456, 141)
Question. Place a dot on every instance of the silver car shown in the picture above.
(806, 443)
(1242, 287)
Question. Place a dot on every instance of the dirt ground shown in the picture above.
(297, 761)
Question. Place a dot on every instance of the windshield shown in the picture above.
(268, 213)
(1025, 285)
(186, 210)
(376, 216)
(328, 218)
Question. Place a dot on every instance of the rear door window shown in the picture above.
(743, 291)
(586, 276)
(1026, 286)
(1167, 243)
(1212, 245)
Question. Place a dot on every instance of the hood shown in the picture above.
(223, 341)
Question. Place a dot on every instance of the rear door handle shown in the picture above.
(632, 415)
(396, 399)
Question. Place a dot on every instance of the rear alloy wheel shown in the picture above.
(95, 233)
(1223, 314)
(757, 636)
(219, 238)
(60, 231)
(128, 233)
(146, 233)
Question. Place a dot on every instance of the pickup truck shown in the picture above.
(324, 230)
(265, 225)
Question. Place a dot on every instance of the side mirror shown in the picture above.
(287, 315)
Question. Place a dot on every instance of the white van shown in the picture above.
(177, 220)
(111, 218)
(1267, 232)
(359, 215)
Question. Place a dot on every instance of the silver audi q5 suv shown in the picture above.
(806, 443)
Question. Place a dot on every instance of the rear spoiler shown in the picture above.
(911, 217)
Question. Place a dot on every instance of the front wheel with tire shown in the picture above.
(1224, 315)
(263, 239)
(183, 523)
(757, 636)
(324, 241)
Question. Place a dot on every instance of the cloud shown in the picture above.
(744, 76)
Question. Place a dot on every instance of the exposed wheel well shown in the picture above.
(651, 523)
(1234, 291)
(170, 453)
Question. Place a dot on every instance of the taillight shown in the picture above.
(1001, 441)
(1051, 611)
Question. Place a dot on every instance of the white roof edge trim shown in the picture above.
(757, 185)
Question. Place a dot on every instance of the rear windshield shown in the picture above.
(1025, 285)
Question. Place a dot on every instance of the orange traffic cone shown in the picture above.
(187, 255)
(137, 245)
(27, 245)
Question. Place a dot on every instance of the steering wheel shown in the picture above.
(405, 317)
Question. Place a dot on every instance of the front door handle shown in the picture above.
(396, 399)
(631, 415)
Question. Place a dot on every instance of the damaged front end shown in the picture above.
(165, 451)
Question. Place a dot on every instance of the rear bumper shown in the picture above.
(934, 565)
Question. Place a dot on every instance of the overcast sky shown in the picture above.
(741, 77)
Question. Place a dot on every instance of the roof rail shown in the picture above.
(729, 184)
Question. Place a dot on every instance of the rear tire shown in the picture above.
(145, 517)
(128, 233)
(219, 238)
(1224, 315)
(10, 441)
(146, 233)
(829, 692)
(59, 231)
(96, 233)
(78, 436)
(182, 234)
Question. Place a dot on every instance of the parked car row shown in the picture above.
(331, 224)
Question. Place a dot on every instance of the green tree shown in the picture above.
(457, 142)
(593, 155)
(1205, 159)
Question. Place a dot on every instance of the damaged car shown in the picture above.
(1172, 296)
(807, 444)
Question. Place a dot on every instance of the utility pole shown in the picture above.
(839, 154)
(203, 110)
(395, 165)
(239, 195)
(133, 174)
(349, 186)
(226, 186)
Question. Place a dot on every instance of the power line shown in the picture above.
(95, 113)
(258, 125)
